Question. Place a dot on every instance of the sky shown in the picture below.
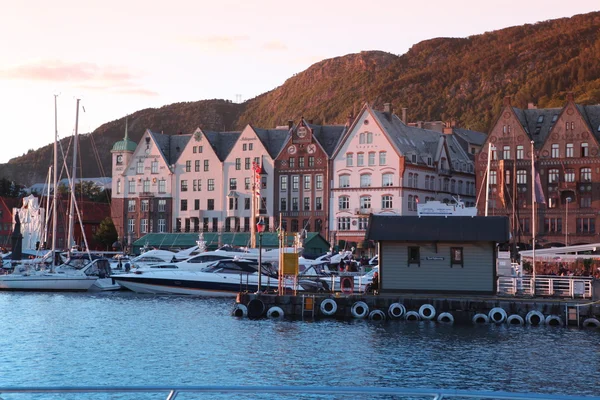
(121, 56)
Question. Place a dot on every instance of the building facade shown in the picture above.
(383, 166)
(564, 144)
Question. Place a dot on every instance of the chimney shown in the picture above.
(507, 100)
(531, 106)
(290, 123)
(404, 109)
(447, 130)
(570, 96)
(388, 109)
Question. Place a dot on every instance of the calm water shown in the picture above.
(128, 339)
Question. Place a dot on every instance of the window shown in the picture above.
(294, 204)
(162, 205)
(145, 205)
(188, 166)
(386, 202)
(247, 163)
(196, 204)
(506, 153)
(232, 184)
(295, 183)
(456, 256)
(131, 186)
(410, 180)
(524, 225)
(382, 158)
(521, 177)
(459, 189)
(131, 225)
(349, 160)
(247, 203)
(205, 165)
(131, 206)
(414, 256)
(344, 203)
(569, 175)
(555, 151)
(154, 167)
(318, 203)
(184, 186)
(300, 162)
(369, 137)
(119, 187)
(306, 182)
(585, 174)
(292, 162)
(569, 150)
(388, 180)
(210, 204)
(307, 204)
(246, 224)
(247, 183)
(360, 159)
(344, 181)
(283, 182)
(553, 225)
(162, 186)
(196, 165)
(233, 203)
(211, 185)
(553, 175)
(319, 182)
(162, 225)
(238, 164)
(200, 149)
(365, 203)
(429, 161)
(507, 176)
(311, 161)
(520, 152)
(251, 147)
(184, 205)
(195, 149)
(412, 202)
(585, 202)
(494, 154)
(586, 225)
(372, 158)
(585, 150)
(144, 226)
(140, 167)
(361, 139)
(283, 204)
(244, 147)
(365, 180)
(344, 223)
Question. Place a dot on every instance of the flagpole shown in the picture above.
(533, 203)
(487, 188)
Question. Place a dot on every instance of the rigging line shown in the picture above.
(99, 164)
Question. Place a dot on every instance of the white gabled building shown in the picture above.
(199, 203)
(253, 147)
(383, 166)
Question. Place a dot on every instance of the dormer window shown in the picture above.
(554, 118)
(429, 161)
(413, 158)
(540, 119)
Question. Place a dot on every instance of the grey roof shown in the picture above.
(413, 140)
(537, 131)
(472, 137)
(592, 114)
(170, 146)
(328, 136)
(272, 139)
(442, 229)
(222, 142)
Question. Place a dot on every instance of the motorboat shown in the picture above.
(317, 278)
(455, 208)
(223, 278)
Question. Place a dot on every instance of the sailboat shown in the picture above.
(66, 277)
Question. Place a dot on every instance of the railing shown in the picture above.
(171, 392)
(546, 285)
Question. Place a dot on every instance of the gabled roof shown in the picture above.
(170, 146)
(272, 139)
(222, 142)
(328, 136)
(438, 229)
(537, 131)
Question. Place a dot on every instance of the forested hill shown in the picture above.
(439, 79)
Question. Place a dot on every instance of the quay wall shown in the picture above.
(462, 309)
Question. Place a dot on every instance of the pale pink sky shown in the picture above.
(123, 56)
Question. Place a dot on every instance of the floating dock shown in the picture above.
(443, 309)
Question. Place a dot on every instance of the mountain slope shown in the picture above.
(464, 79)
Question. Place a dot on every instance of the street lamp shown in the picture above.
(568, 200)
(260, 228)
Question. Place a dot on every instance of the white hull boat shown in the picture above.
(46, 281)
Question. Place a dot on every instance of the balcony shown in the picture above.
(363, 211)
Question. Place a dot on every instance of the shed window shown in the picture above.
(456, 256)
(414, 256)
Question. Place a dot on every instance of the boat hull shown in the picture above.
(45, 283)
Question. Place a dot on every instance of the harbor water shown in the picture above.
(125, 339)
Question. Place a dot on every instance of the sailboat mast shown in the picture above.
(71, 241)
(487, 181)
(47, 209)
(54, 183)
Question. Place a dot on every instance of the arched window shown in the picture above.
(361, 138)
(369, 137)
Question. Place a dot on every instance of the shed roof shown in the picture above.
(438, 229)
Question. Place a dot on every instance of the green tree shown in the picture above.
(106, 233)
